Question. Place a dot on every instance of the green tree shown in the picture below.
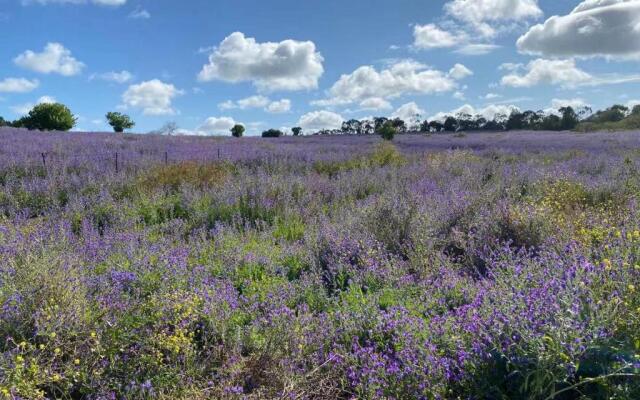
(237, 130)
(569, 118)
(119, 122)
(297, 131)
(49, 117)
(387, 130)
(3, 122)
(272, 133)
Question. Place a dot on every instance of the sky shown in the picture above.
(209, 64)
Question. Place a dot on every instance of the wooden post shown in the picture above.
(116, 162)
(44, 160)
(218, 153)
(166, 158)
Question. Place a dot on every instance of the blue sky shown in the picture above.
(280, 63)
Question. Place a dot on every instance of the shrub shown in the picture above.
(387, 131)
(49, 117)
(237, 130)
(272, 133)
(119, 122)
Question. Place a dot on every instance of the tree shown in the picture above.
(352, 126)
(3, 122)
(400, 125)
(119, 122)
(387, 131)
(297, 131)
(272, 133)
(237, 131)
(169, 129)
(425, 126)
(569, 118)
(436, 126)
(48, 117)
(450, 124)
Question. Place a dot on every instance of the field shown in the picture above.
(477, 266)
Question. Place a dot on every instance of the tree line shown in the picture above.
(56, 116)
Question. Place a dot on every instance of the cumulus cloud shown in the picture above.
(489, 112)
(375, 103)
(258, 101)
(482, 15)
(23, 109)
(542, 71)
(404, 77)
(318, 120)
(55, 58)
(216, 126)
(459, 72)
(476, 49)
(280, 106)
(606, 28)
(113, 76)
(287, 65)
(153, 97)
(18, 85)
(574, 103)
(408, 112)
(431, 36)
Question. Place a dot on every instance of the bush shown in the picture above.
(237, 131)
(387, 131)
(272, 133)
(48, 117)
(119, 122)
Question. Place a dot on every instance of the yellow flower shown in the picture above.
(53, 335)
(41, 347)
(93, 334)
(23, 344)
(55, 377)
(632, 288)
(19, 359)
(5, 392)
(57, 350)
(76, 361)
(618, 234)
(607, 263)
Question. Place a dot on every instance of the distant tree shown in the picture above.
(450, 124)
(614, 113)
(387, 131)
(170, 128)
(272, 133)
(636, 110)
(515, 121)
(297, 131)
(237, 131)
(3, 122)
(425, 126)
(48, 117)
(400, 125)
(119, 122)
(367, 127)
(436, 126)
(569, 118)
(551, 122)
(378, 122)
(352, 126)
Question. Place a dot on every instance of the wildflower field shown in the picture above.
(485, 266)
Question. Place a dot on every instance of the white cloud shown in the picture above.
(481, 15)
(606, 28)
(491, 96)
(258, 101)
(117, 77)
(18, 85)
(404, 77)
(476, 49)
(23, 109)
(459, 72)
(215, 126)
(375, 103)
(459, 95)
(489, 112)
(408, 112)
(431, 36)
(55, 58)
(153, 97)
(542, 71)
(280, 106)
(287, 65)
(574, 103)
(318, 120)
(140, 13)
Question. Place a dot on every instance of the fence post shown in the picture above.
(116, 162)
(218, 153)
(166, 158)
(44, 160)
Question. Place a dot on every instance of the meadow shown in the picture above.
(437, 266)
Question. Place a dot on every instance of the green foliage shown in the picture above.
(297, 131)
(388, 131)
(272, 133)
(49, 117)
(119, 122)
(237, 130)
